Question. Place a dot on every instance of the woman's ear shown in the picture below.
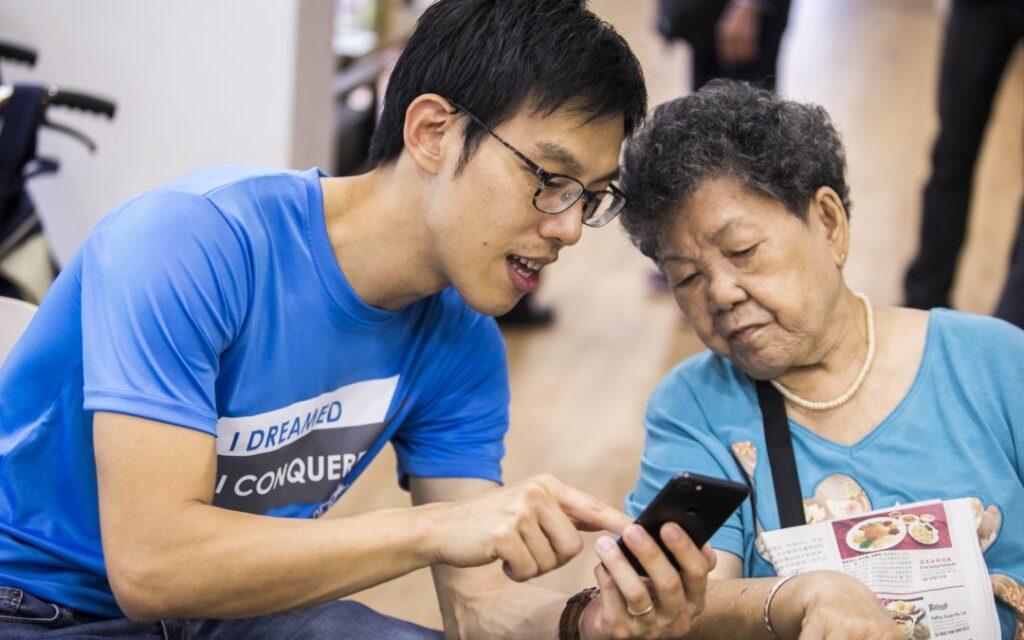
(828, 210)
(428, 120)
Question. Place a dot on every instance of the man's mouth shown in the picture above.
(525, 272)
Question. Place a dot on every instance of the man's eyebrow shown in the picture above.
(557, 153)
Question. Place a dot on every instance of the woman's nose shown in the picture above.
(724, 293)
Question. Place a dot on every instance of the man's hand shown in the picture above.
(532, 527)
(662, 605)
(829, 604)
(737, 34)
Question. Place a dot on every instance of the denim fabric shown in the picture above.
(24, 617)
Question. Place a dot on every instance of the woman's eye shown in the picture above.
(744, 253)
(685, 281)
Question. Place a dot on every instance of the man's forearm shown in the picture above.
(504, 610)
(266, 564)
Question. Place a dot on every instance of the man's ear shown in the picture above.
(428, 120)
(828, 209)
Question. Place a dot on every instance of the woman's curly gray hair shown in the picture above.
(779, 148)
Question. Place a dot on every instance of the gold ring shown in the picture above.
(637, 614)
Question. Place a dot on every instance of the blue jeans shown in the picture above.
(23, 616)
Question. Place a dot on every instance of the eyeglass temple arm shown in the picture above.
(541, 173)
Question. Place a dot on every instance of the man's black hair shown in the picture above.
(494, 57)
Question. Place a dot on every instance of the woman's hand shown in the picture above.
(737, 34)
(664, 604)
(829, 604)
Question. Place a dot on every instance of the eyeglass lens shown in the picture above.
(558, 194)
(602, 208)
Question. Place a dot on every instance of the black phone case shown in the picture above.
(697, 503)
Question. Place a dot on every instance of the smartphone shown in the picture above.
(699, 504)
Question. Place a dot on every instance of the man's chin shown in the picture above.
(492, 306)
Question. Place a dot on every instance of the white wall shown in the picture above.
(196, 82)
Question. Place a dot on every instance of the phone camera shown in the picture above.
(685, 486)
(698, 487)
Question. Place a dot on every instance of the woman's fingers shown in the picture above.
(612, 600)
(693, 562)
(634, 591)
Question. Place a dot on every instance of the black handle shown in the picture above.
(82, 101)
(18, 54)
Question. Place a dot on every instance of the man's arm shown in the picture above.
(170, 553)
(482, 602)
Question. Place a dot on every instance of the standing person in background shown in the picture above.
(980, 38)
(735, 39)
(225, 354)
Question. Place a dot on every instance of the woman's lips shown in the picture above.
(745, 334)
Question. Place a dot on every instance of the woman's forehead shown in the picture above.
(717, 214)
(689, 234)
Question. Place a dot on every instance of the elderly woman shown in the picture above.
(741, 200)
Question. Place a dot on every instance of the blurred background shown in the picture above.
(296, 83)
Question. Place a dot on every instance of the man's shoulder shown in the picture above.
(195, 191)
(213, 179)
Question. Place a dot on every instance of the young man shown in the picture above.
(226, 354)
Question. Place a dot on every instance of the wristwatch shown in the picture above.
(569, 623)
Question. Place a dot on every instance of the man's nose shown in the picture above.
(566, 227)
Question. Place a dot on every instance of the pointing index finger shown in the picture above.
(587, 512)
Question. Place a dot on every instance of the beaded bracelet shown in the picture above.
(768, 604)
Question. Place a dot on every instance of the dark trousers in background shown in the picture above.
(980, 38)
(762, 72)
(1011, 302)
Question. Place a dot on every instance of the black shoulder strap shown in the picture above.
(780, 455)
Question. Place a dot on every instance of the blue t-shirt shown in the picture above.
(958, 432)
(216, 303)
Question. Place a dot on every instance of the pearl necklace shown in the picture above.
(843, 399)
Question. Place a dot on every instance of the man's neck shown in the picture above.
(376, 227)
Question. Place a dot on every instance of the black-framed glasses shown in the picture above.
(558, 192)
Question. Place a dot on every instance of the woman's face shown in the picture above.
(757, 284)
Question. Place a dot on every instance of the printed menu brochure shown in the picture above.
(922, 560)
